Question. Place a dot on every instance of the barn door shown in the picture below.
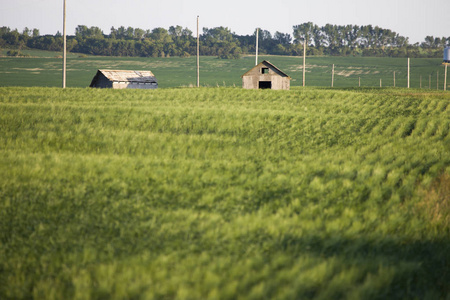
(265, 84)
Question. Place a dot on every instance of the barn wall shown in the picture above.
(102, 82)
(252, 78)
(134, 85)
(250, 82)
(278, 82)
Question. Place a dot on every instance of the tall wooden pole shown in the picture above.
(359, 81)
(257, 46)
(304, 62)
(408, 71)
(394, 78)
(64, 46)
(445, 77)
(381, 84)
(198, 55)
(332, 77)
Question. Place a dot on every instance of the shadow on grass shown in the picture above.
(422, 268)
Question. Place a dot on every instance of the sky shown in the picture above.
(414, 19)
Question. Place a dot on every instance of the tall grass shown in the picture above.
(224, 193)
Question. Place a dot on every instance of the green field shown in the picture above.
(44, 69)
(224, 193)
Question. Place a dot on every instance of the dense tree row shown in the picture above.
(364, 40)
(221, 42)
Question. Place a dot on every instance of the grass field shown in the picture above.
(44, 69)
(224, 193)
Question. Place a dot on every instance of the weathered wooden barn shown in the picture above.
(124, 79)
(266, 76)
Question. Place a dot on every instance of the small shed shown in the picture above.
(266, 76)
(124, 79)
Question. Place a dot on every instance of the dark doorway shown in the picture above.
(265, 84)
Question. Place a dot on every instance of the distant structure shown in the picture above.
(447, 55)
(124, 79)
(266, 76)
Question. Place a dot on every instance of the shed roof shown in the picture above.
(127, 76)
(268, 64)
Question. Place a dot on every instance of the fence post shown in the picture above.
(332, 77)
(408, 71)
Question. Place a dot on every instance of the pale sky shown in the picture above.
(410, 18)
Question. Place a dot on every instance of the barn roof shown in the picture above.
(268, 64)
(126, 76)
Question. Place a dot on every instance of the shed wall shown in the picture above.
(251, 79)
(278, 82)
(102, 82)
(134, 85)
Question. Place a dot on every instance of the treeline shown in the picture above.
(221, 42)
(365, 40)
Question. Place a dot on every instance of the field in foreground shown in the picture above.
(224, 193)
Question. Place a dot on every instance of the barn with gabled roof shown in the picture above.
(124, 79)
(266, 76)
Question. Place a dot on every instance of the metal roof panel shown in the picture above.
(129, 76)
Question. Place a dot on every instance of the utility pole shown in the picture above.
(198, 56)
(64, 46)
(304, 62)
(445, 77)
(257, 39)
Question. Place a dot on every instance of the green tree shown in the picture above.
(35, 32)
(139, 33)
(12, 37)
(113, 34)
